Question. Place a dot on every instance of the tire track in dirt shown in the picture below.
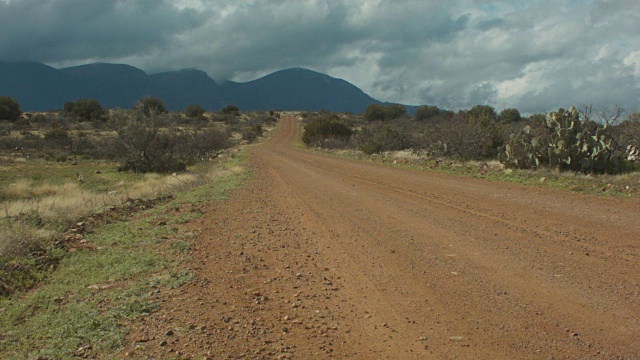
(320, 257)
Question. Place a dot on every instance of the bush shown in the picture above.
(378, 138)
(482, 111)
(230, 110)
(9, 109)
(85, 110)
(150, 106)
(22, 124)
(462, 136)
(251, 133)
(394, 111)
(323, 127)
(58, 138)
(142, 145)
(374, 112)
(194, 111)
(426, 112)
(509, 116)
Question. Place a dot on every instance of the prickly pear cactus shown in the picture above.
(572, 147)
(523, 151)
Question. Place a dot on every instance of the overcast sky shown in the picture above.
(533, 55)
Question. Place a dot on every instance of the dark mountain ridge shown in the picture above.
(38, 87)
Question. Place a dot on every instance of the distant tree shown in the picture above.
(9, 109)
(150, 105)
(426, 112)
(509, 116)
(194, 111)
(85, 110)
(230, 109)
(394, 111)
(482, 111)
(374, 112)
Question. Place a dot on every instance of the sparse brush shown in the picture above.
(19, 239)
(25, 189)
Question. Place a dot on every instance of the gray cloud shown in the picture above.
(78, 30)
(534, 55)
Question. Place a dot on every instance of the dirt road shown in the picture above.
(321, 257)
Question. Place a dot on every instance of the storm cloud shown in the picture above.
(531, 55)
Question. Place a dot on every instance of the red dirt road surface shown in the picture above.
(321, 257)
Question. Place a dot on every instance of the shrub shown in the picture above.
(194, 111)
(58, 138)
(251, 133)
(482, 111)
(142, 145)
(9, 109)
(22, 124)
(509, 116)
(394, 111)
(150, 106)
(378, 138)
(374, 112)
(85, 110)
(230, 110)
(460, 136)
(426, 112)
(323, 127)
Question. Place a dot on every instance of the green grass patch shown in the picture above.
(82, 308)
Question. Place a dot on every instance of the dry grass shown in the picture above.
(19, 240)
(44, 208)
(26, 189)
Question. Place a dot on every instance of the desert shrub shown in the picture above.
(252, 132)
(194, 111)
(265, 119)
(461, 135)
(377, 138)
(143, 144)
(323, 127)
(274, 114)
(509, 116)
(426, 112)
(202, 144)
(150, 106)
(83, 144)
(230, 110)
(482, 111)
(630, 130)
(9, 109)
(378, 112)
(375, 112)
(85, 110)
(21, 124)
(394, 111)
(58, 138)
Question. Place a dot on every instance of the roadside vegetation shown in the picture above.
(580, 149)
(91, 202)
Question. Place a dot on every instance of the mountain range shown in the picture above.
(39, 87)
